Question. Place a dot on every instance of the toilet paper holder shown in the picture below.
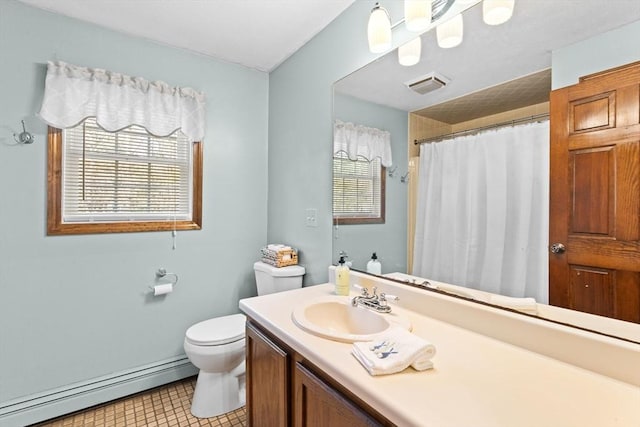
(164, 288)
(161, 272)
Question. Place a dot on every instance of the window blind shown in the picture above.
(356, 187)
(129, 175)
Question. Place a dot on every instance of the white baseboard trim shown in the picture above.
(74, 397)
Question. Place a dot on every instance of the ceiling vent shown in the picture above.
(427, 83)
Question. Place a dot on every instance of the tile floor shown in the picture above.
(166, 406)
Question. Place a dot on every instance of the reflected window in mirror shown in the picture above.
(358, 190)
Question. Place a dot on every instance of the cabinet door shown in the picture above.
(319, 404)
(267, 381)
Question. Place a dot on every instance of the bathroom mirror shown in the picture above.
(497, 72)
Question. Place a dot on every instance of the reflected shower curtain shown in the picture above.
(482, 215)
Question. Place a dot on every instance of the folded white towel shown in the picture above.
(525, 305)
(422, 363)
(394, 352)
(278, 247)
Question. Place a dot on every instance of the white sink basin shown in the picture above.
(334, 318)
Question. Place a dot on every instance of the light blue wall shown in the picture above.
(74, 308)
(388, 240)
(611, 49)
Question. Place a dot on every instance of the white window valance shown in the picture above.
(358, 140)
(74, 93)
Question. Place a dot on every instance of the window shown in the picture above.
(358, 190)
(124, 181)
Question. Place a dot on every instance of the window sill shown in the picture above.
(120, 227)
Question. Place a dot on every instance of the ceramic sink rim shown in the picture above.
(334, 318)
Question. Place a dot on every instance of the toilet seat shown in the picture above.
(217, 331)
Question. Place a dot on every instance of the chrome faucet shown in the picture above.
(374, 301)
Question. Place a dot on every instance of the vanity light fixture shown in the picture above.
(409, 53)
(496, 12)
(379, 30)
(449, 34)
(417, 14)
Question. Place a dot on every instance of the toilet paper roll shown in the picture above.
(162, 289)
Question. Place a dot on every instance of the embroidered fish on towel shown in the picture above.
(384, 349)
(385, 354)
(375, 347)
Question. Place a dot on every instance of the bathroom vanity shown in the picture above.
(492, 368)
(284, 388)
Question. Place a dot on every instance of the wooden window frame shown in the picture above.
(55, 226)
(368, 220)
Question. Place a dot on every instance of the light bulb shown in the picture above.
(417, 14)
(496, 12)
(379, 30)
(409, 53)
(449, 33)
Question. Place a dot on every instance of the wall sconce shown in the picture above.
(379, 30)
(24, 137)
(417, 14)
(405, 177)
(392, 171)
(409, 53)
(496, 12)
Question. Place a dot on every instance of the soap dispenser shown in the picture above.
(342, 278)
(374, 266)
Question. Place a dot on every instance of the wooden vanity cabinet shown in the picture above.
(284, 389)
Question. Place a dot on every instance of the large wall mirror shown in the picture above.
(497, 75)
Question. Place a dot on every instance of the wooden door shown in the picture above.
(267, 381)
(594, 261)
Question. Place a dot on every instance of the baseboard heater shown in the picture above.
(54, 403)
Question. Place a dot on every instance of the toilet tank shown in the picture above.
(270, 279)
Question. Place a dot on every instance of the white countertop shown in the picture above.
(476, 381)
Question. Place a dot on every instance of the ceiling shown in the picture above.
(523, 92)
(517, 52)
(259, 34)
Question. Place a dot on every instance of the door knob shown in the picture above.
(557, 248)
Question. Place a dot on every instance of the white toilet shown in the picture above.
(216, 347)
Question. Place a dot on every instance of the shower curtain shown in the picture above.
(482, 213)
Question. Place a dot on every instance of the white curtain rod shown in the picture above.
(535, 118)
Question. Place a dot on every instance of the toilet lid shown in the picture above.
(217, 331)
